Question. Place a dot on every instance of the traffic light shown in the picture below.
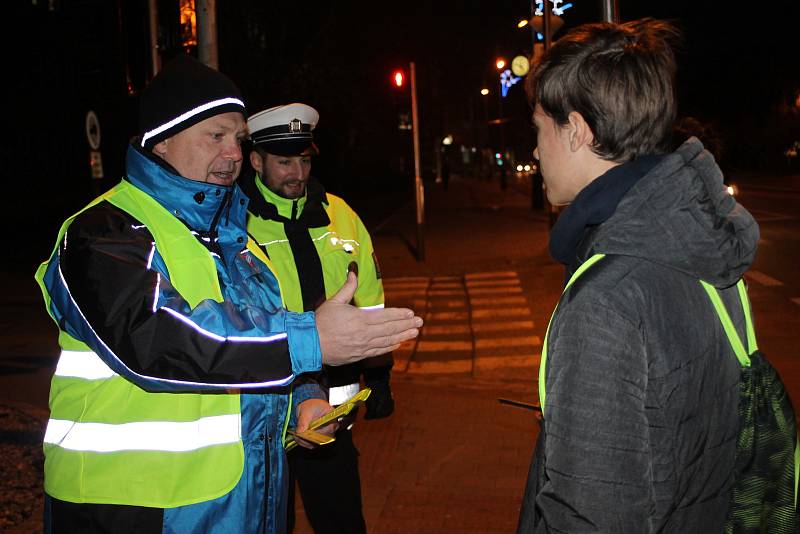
(399, 78)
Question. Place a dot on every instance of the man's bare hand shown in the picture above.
(308, 411)
(348, 334)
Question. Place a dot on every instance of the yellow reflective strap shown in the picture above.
(543, 361)
(748, 318)
(796, 470)
(727, 324)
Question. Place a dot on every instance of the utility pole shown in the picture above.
(546, 25)
(155, 58)
(206, 12)
(419, 189)
(610, 11)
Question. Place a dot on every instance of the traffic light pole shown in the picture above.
(610, 11)
(419, 189)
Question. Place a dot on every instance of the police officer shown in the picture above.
(313, 238)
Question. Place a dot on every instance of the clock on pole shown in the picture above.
(520, 66)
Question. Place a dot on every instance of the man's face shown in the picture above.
(556, 160)
(210, 151)
(285, 176)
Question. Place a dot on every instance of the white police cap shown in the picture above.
(284, 130)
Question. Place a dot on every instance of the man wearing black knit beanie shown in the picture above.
(180, 368)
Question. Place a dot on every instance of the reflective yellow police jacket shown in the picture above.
(342, 240)
(339, 238)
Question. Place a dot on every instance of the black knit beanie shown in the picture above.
(182, 94)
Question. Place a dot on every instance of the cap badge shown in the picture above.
(295, 126)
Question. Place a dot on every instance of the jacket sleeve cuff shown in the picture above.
(304, 349)
(307, 390)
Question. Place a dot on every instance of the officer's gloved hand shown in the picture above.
(380, 402)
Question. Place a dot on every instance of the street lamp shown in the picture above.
(484, 91)
(500, 63)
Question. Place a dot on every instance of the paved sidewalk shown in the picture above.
(452, 458)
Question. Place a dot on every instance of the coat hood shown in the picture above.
(679, 215)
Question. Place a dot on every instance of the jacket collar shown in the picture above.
(594, 205)
(200, 205)
(287, 208)
(269, 206)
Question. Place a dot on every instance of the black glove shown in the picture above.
(380, 402)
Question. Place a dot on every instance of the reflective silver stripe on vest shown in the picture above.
(83, 364)
(340, 394)
(375, 307)
(167, 436)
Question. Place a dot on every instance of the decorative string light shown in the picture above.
(557, 9)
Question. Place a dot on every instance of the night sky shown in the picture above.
(738, 71)
(738, 66)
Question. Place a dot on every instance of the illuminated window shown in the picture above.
(188, 24)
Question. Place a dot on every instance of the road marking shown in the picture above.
(492, 283)
(447, 316)
(447, 285)
(442, 346)
(405, 294)
(493, 290)
(440, 367)
(762, 278)
(500, 327)
(530, 361)
(488, 301)
(445, 293)
(495, 343)
(482, 276)
(449, 304)
(484, 313)
(403, 284)
(438, 330)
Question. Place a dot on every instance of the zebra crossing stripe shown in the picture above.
(443, 346)
(481, 276)
(438, 330)
(493, 290)
(485, 313)
(495, 343)
(488, 301)
(502, 327)
(441, 367)
(450, 304)
(445, 293)
(447, 316)
(485, 363)
(493, 283)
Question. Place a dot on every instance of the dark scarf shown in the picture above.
(594, 205)
(306, 258)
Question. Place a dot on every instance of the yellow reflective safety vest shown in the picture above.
(109, 441)
(343, 240)
(339, 238)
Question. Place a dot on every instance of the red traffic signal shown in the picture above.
(398, 78)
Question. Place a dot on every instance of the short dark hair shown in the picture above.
(620, 78)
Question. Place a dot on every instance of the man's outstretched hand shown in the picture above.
(348, 334)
